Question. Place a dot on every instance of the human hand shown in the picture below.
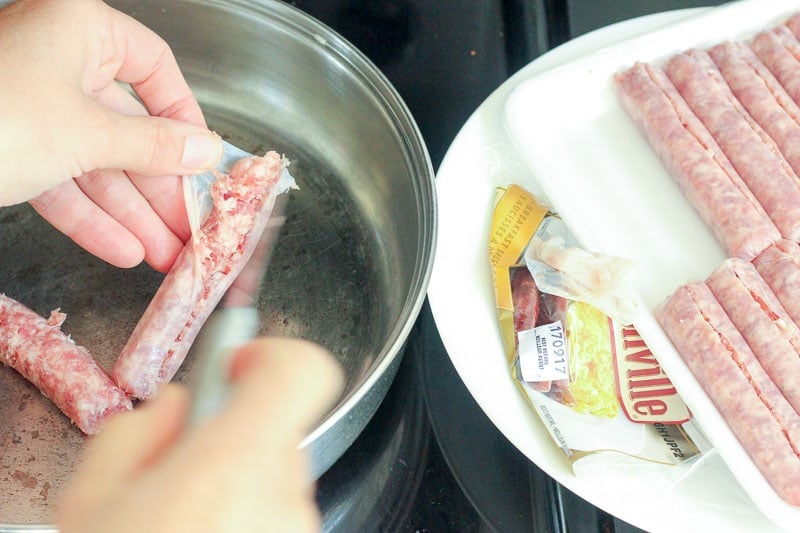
(240, 470)
(80, 147)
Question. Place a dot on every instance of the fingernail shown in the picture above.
(201, 151)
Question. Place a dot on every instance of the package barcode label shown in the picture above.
(543, 353)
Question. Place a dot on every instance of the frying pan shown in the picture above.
(349, 271)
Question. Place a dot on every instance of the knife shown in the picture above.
(236, 321)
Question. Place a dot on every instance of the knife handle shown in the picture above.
(225, 331)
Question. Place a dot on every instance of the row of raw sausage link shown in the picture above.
(726, 124)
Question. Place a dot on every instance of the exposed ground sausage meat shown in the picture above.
(200, 276)
(62, 370)
(779, 50)
(779, 266)
(762, 321)
(762, 95)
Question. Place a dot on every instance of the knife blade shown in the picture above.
(236, 321)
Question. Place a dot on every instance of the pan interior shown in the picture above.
(323, 284)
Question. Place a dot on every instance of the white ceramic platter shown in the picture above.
(557, 129)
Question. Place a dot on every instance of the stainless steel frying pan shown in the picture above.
(349, 271)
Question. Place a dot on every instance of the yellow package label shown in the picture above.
(516, 216)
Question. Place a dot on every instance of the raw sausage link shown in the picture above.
(204, 270)
(63, 371)
(534, 308)
(695, 161)
(793, 23)
(754, 155)
(762, 420)
(762, 95)
(552, 309)
(779, 266)
(779, 50)
(762, 321)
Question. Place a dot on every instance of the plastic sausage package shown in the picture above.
(563, 315)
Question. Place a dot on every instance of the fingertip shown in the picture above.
(161, 256)
(129, 257)
(172, 398)
(327, 370)
(130, 441)
(202, 151)
(126, 252)
(70, 212)
(169, 406)
(165, 195)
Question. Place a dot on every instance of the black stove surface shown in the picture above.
(430, 460)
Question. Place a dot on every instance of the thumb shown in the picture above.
(153, 146)
(293, 383)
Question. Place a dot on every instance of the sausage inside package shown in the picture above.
(564, 318)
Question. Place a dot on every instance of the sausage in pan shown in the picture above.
(204, 270)
(62, 370)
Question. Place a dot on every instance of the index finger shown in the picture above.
(147, 63)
